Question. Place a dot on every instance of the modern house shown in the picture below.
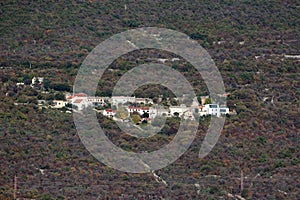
(224, 111)
(213, 109)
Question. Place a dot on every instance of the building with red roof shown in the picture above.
(109, 112)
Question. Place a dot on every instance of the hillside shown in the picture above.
(249, 41)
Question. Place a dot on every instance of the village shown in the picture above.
(144, 107)
(140, 110)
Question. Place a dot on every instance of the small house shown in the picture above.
(59, 103)
(109, 112)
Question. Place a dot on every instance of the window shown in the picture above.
(213, 106)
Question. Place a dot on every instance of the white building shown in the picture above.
(80, 103)
(143, 100)
(116, 100)
(109, 112)
(178, 109)
(41, 102)
(224, 111)
(98, 101)
(140, 110)
(213, 109)
(20, 84)
(80, 100)
(153, 112)
(37, 80)
(59, 103)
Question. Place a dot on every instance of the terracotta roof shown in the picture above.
(80, 95)
(78, 101)
(110, 110)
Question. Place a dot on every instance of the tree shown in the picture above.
(46, 83)
(145, 115)
(26, 79)
(60, 87)
(122, 113)
(60, 96)
(208, 101)
(176, 114)
(136, 118)
(174, 102)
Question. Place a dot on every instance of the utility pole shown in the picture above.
(242, 181)
(15, 187)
